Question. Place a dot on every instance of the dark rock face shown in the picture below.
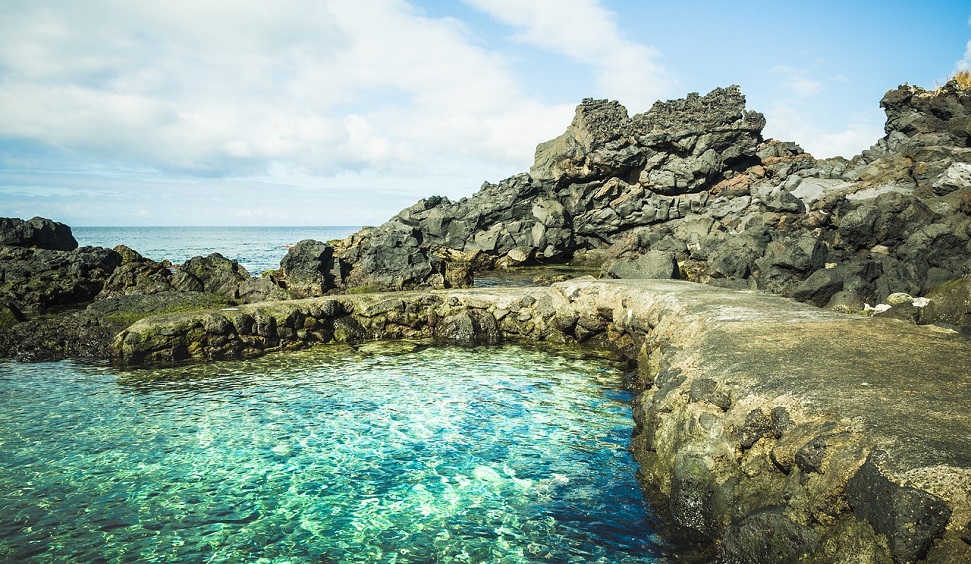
(691, 143)
(695, 179)
(124, 287)
(950, 304)
(214, 274)
(392, 257)
(910, 519)
(309, 268)
(138, 275)
(42, 278)
(37, 232)
(768, 536)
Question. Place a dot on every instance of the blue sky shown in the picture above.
(343, 112)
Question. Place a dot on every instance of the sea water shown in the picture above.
(381, 453)
(256, 248)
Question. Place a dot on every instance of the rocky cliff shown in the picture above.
(694, 180)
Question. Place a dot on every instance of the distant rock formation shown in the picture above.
(694, 178)
(37, 232)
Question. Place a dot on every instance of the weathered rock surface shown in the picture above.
(310, 269)
(36, 232)
(35, 278)
(653, 264)
(694, 178)
(10, 315)
(88, 333)
(780, 431)
(36, 284)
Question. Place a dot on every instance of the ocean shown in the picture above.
(256, 248)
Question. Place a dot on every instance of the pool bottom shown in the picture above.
(390, 455)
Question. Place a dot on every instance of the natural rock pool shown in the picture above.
(386, 453)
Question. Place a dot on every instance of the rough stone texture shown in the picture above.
(950, 305)
(36, 232)
(598, 144)
(653, 264)
(390, 257)
(37, 278)
(138, 275)
(910, 519)
(756, 417)
(309, 269)
(10, 316)
(88, 333)
(692, 142)
(693, 177)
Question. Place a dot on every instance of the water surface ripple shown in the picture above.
(389, 453)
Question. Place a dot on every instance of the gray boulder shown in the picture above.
(956, 177)
(213, 274)
(690, 143)
(138, 275)
(392, 257)
(651, 265)
(820, 287)
(950, 304)
(598, 144)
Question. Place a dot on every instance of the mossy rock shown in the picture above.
(10, 316)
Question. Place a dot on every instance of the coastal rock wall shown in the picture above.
(763, 425)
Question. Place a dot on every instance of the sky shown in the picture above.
(344, 112)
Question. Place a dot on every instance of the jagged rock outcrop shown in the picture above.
(212, 274)
(310, 269)
(694, 178)
(121, 285)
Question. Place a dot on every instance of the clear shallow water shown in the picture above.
(256, 248)
(335, 455)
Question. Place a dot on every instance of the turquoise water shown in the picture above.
(386, 453)
(256, 248)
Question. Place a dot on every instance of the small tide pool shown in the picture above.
(384, 453)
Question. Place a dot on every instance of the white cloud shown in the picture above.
(790, 121)
(587, 33)
(227, 87)
(797, 81)
(965, 63)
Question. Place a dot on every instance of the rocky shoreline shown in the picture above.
(762, 425)
(765, 426)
